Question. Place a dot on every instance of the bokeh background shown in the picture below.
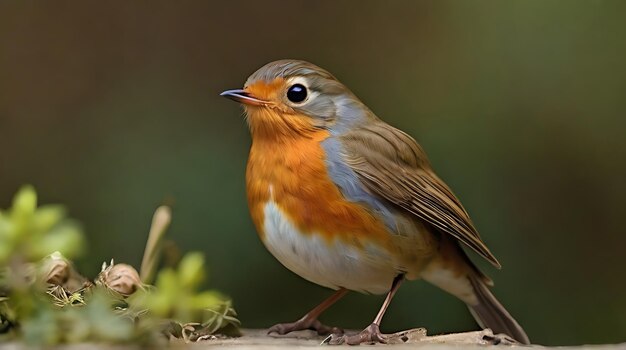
(112, 108)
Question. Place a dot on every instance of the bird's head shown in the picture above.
(291, 97)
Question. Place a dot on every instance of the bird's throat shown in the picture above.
(270, 123)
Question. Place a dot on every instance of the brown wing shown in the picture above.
(392, 165)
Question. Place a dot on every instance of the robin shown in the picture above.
(349, 202)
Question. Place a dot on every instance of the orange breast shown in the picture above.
(290, 170)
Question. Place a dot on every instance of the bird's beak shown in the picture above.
(243, 96)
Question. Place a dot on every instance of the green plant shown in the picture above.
(29, 233)
(45, 301)
(176, 297)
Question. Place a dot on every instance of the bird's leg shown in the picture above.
(372, 333)
(310, 321)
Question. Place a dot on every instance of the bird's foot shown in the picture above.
(369, 335)
(499, 339)
(302, 324)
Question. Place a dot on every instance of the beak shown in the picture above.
(242, 96)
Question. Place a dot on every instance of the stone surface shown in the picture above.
(255, 339)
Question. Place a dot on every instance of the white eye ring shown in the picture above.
(301, 81)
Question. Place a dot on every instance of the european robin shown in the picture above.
(349, 202)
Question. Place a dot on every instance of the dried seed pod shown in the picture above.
(55, 269)
(121, 278)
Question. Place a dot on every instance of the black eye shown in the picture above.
(296, 93)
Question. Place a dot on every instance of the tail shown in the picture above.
(489, 313)
(453, 272)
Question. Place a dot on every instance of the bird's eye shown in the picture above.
(296, 93)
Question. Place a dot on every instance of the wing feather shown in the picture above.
(393, 166)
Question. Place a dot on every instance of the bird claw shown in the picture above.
(499, 339)
(302, 324)
(369, 335)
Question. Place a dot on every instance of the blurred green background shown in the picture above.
(112, 108)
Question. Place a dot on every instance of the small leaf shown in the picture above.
(206, 300)
(42, 328)
(105, 324)
(47, 216)
(191, 270)
(66, 239)
(24, 203)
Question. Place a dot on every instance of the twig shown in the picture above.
(160, 222)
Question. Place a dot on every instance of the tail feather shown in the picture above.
(489, 313)
(455, 273)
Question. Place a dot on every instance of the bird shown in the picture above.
(351, 203)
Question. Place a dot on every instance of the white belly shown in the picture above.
(329, 264)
